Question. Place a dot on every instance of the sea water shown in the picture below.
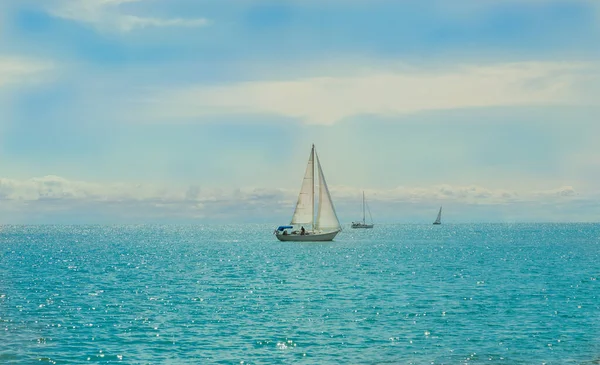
(396, 294)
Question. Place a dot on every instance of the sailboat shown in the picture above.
(304, 226)
(438, 220)
(363, 224)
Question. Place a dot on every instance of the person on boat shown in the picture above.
(302, 231)
(285, 232)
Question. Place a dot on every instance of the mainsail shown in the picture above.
(304, 213)
(438, 220)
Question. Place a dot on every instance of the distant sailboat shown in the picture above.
(303, 225)
(363, 224)
(438, 220)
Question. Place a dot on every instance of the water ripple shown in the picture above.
(493, 294)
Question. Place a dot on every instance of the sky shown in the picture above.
(203, 111)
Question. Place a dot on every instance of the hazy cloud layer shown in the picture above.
(46, 196)
(20, 70)
(326, 100)
(108, 15)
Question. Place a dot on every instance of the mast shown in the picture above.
(313, 189)
(364, 221)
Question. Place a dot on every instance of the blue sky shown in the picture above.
(128, 111)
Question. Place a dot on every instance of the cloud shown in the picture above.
(20, 70)
(392, 91)
(469, 194)
(107, 15)
(564, 191)
(45, 196)
(56, 188)
(41, 198)
(130, 22)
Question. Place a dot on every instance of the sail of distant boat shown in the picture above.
(438, 220)
(364, 223)
(304, 226)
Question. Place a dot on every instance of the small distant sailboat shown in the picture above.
(363, 224)
(438, 220)
(327, 225)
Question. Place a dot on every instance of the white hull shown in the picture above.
(311, 237)
(361, 225)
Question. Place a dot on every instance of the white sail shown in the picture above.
(304, 213)
(327, 219)
(438, 220)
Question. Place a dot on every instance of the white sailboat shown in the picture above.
(363, 224)
(303, 226)
(438, 220)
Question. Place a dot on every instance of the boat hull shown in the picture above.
(360, 225)
(312, 237)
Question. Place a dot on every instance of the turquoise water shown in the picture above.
(397, 294)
